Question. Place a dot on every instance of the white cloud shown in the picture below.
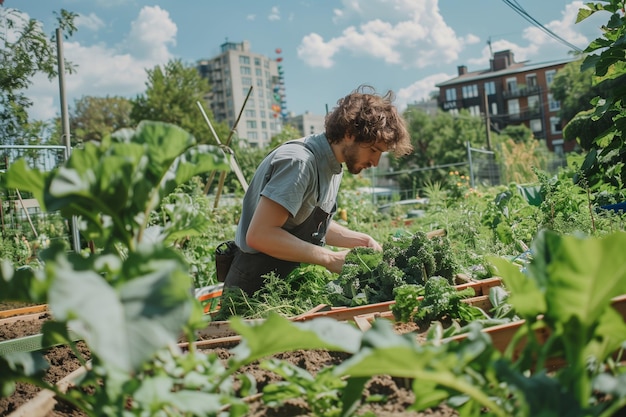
(91, 22)
(274, 14)
(401, 32)
(251, 17)
(564, 28)
(315, 52)
(151, 34)
(103, 70)
(540, 46)
(419, 90)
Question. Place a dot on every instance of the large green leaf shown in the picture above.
(437, 369)
(525, 295)
(584, 275)
(124, 327)
(21, 176)
(161, 394)
(269, 337)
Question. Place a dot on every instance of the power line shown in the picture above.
(520, 10)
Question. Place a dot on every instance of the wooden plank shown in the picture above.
(348, 313)
(362, 323)
(23, 310)
(25, 317)
(43, 403)
(213, 343)
(481, 287)
(319, 307)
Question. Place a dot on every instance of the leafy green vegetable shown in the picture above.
(442, 300)
(407, 299)
(365, 278)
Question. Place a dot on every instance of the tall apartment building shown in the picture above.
(510, 93)
(231, 74)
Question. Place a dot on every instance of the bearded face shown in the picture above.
(353, 158)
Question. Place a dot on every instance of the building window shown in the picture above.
(251, 102)
(474, 110)
(454, 112)
(251, 124)
(555, 125)
(250, 113)
(253, 135)
(258, 72)
(263, 124)
(259, 82)
(451, 94)
(553, 105)
(246, 81)
(470, 91)
(245, 70)
(531, 80)
(263, 114)
(536, 126)
(550, 77)
(494, 108)
(244, 60)
(513, 106)
(244, 91)
(533, 104)
(257, 61)
(490, 88)
(511, 85)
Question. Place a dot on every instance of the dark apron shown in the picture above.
(247, 270)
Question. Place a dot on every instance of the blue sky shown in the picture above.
(328, 47)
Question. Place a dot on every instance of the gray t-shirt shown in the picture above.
(297, 177)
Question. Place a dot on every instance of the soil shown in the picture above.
(62, 362)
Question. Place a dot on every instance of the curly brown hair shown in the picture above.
(371, 118)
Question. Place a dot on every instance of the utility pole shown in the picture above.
(65, 123)
(487, 119)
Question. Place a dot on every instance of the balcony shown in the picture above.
(521, 92)
(517, 117)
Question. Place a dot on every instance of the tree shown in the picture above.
(24, 51)
(95, 117)
(437, 140)
(288, 132)
(172, 93)
(576, 90)
(605, 161)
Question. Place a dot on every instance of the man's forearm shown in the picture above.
(341, 236)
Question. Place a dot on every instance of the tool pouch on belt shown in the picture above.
(224, 254)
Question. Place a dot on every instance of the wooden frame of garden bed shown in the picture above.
(220, 332)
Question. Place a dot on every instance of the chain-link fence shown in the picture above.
(21, 217)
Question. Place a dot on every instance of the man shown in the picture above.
(287, 211)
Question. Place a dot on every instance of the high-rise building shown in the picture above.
(510, 93)
(244, 85)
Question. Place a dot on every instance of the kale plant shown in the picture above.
(365, 279)
(420, 257)
(442, 300)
